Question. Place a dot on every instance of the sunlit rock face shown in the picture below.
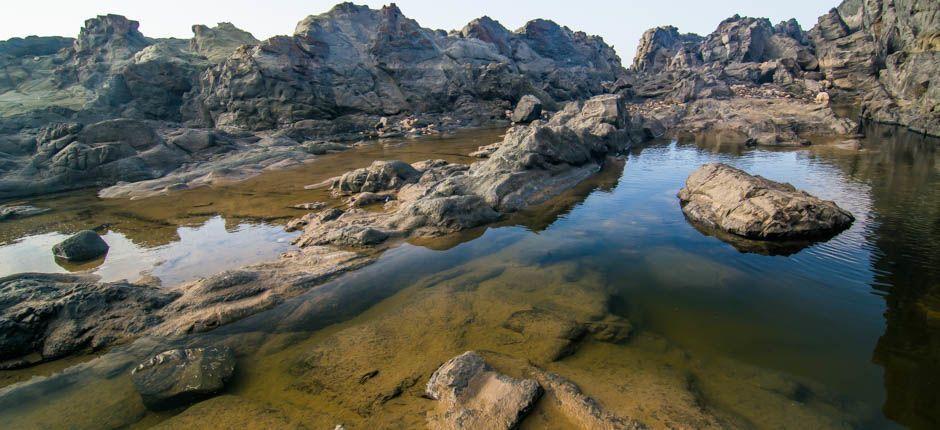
(884, 54)
(356, 59)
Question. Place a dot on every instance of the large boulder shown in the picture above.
(527, 110)
(181, 376)
(82, 246)
(720, 196)
(473, 395)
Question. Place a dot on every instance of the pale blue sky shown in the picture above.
(620, 23)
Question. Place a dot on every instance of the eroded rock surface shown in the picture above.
(181, 376)
(473, 395)
(720, 196)
(55, 315)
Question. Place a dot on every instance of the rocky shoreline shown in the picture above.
(139, 117)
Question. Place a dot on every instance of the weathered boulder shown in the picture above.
(52, 315)
(473, 395)
(379, 176)
(527, 110)
(192, 140)
(720, 196)
(181, 376)
(582, 410)
(82, 246)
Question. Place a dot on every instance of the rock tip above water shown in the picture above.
(723, 197)
(82, 246)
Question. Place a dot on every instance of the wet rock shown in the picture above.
(230, 412)
(181, 376)
(82, 246)
(473, 395)
(55, 315)
(527, 110)
(720, 196)
(20, 211)
(579, 408)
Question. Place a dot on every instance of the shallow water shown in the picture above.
(204, 231)
(841, 334)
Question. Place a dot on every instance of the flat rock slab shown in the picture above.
(20, 211)
(473, 395)
(720, 196)
(181, 376)
(82, 246)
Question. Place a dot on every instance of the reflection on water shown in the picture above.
(198, 251)
(203, 231)
(841, 334)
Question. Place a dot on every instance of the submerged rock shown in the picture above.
(720, 196)
(579, 408)
(20, 211)
(181, 376)
(473, 395)
(82, 246)
(527, 110)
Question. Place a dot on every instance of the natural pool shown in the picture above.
(841, 334)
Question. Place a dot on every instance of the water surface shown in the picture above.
(840, 334)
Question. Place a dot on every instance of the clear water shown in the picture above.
(841, 334)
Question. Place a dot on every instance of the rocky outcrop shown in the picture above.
(51, 316)
(82, 246)
(473, 395)
(379, 62)
(219, 42)
(883, 55)
(181, 376)
(722, 197)
(533, 164)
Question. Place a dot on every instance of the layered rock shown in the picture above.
(720, 196)
(353, 59)
(884, 55)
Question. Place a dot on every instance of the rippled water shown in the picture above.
(841, 334)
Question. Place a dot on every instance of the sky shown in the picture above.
(620, 23)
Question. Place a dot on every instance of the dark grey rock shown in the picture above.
(527, 110)
(52, 315)
(82, 246)
(182, 376)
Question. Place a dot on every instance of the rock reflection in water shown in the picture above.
(609, 286)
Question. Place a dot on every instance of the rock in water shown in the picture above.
(527, 110)
(720, 196)
(180, 376)
(19, 211)
(82, 246)
(473, 395)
